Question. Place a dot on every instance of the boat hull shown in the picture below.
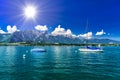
(90, 50)
(38, 50)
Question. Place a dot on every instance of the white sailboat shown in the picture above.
(90, 48)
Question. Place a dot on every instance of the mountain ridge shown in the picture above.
(44, 37)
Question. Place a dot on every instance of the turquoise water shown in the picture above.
(58, 63)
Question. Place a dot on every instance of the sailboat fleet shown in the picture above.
(87, 48)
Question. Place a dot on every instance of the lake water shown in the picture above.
(58, 63)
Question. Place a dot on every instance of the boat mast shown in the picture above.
(86, 32)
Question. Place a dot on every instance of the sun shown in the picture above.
(30, 12)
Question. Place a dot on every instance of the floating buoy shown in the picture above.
(24, 56)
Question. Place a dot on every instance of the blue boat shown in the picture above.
(91, 49)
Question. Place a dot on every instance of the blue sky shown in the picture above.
(70, 14)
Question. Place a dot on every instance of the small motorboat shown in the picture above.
(38, 50)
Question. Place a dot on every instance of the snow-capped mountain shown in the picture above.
(44, 37)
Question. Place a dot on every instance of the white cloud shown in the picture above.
(87, 35)
(11, 29)
(41, 28)
(68, 32)
(100, 33)
(2, 32)
(61, 31)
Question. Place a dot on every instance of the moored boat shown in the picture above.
(91, 49)
(38, 50)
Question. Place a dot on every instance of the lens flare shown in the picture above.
(30, 12)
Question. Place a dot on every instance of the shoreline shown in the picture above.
(51, 44)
